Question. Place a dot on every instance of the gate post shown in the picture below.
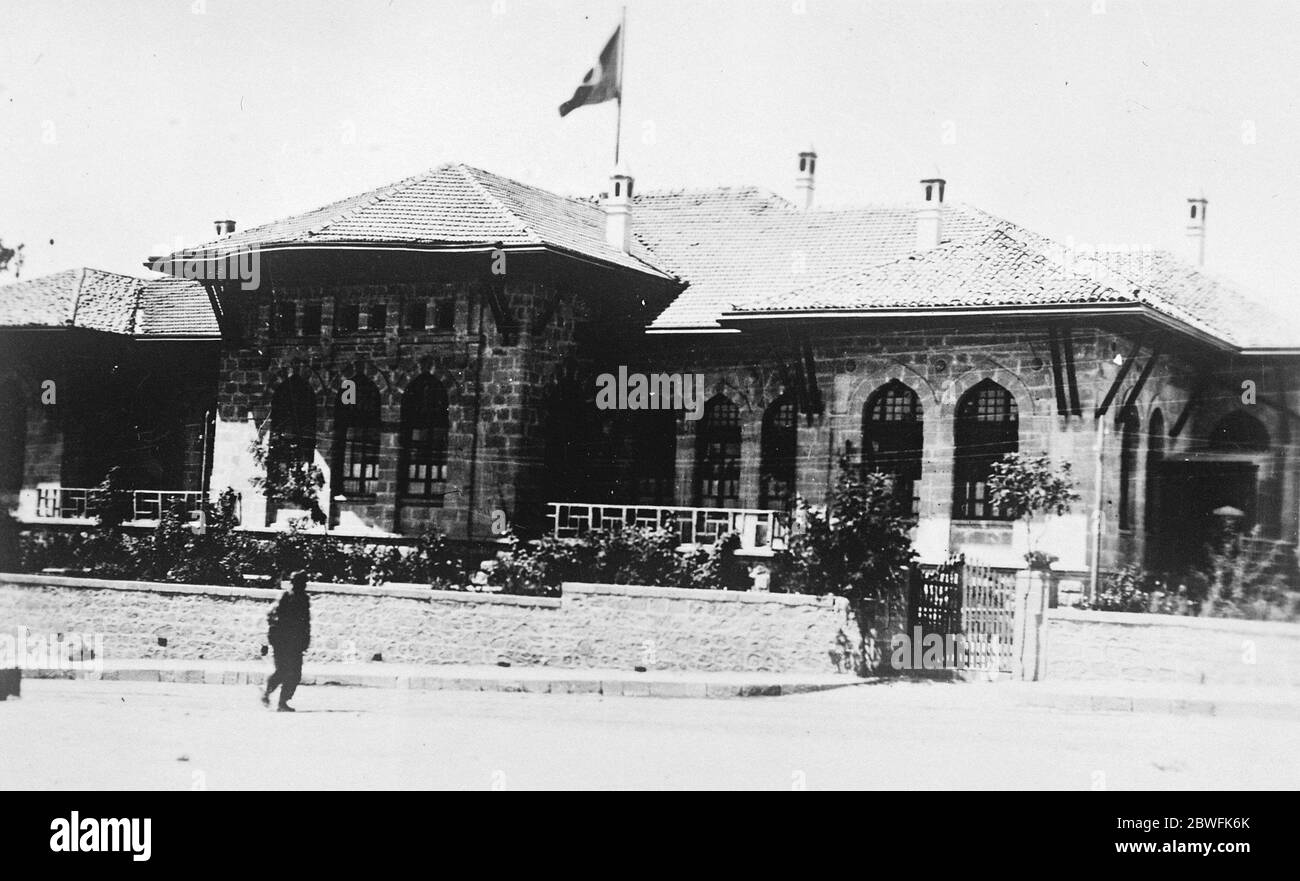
(1030, 626)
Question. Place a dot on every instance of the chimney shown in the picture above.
(929, 217)
(803, 184)
(224, 227)
(1196, 230)
(618, 210)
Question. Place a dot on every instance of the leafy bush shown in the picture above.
(1243, 580)
(632, 555)
(859, 547)
(111, 502)
(290, 483)
(1132, 589)
(1239, 583)
(222, 554)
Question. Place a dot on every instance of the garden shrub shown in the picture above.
(224, 555)
(633, 555)
(859, 547)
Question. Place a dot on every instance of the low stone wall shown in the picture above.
(1171, 648)
(595, 626)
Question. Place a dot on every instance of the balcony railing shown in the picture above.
(61, 503)
(147, 505)
(759, 530)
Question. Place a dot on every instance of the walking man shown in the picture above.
(289, 633)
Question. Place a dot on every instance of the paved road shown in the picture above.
(123, 735)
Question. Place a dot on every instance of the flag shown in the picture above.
(602, 83)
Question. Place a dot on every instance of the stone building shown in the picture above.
(101, 370)
(434, 349)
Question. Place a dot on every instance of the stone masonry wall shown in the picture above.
(1164, 648)
(493, 445)
(592, 626)
(940, 363)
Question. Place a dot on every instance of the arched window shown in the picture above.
(425, 424)
(776, 477)
(578, 451)
(293, 425)
(13, 440)
(653, 462)
(1130, 428)
(717, 455)
(1155, 462)
(988, 427)
(356, 437)
(892, 439)
(1239, 433)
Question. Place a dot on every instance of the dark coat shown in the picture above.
(289, 622)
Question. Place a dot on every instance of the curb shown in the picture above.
(571, 682)
(1118, 703)
(646, 685)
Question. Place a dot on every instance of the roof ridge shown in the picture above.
(376, 195)
(999, 232)
(724, 189)
(472, 175)
(714, 189)
(137, 305)
(76, 293)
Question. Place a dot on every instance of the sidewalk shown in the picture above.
(1089, 696)
(537, 680)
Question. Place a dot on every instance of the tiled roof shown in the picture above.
(453, 204)
(997, 270)
(1014, 267)
(739, 246)
(735, 249)
(1238, 316)
(88, 298)
(175, 307)
(108, 301)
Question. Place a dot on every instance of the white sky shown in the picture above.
(129, 126)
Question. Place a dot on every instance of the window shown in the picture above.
(654, 456)
(445, 315)
(892, 441)
(717, 455)
(417, 315)
(378, 316)
(987, 428)
(347, 319)
(13, 440)
(1155, 460)
(777, 468)
(293, 425)
(283, 318)
(1128, 457)
(356, 439)
(425, 423)
(311, 320)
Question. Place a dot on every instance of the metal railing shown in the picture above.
(147, 505)
(61, 503)
(759, 530)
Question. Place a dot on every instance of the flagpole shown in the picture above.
(622, 51)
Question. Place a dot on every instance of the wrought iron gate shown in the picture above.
(971, 608)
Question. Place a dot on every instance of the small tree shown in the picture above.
(859, 547)
(111, 501)
(1029, 487)
(11, 259)
(290, 483)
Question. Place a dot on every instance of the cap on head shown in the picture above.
(298, 580)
